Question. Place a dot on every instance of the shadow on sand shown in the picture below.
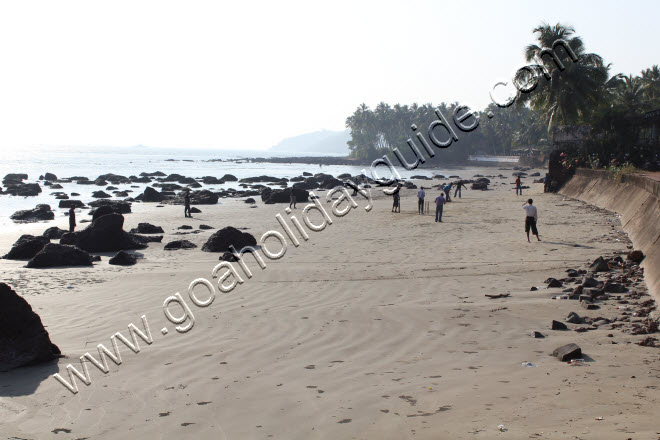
(24, 381)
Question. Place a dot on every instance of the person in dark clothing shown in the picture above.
(72, 219)
(186, 204)
(292, 199)
(458, 188)
(397, 199)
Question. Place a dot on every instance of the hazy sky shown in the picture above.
(216, 74)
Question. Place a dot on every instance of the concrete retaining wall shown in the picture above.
(637, 200)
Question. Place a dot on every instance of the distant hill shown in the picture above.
(324, 141)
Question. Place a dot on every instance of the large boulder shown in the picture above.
(23, 338)
(54, 233)
(57, 255)
(204, 197)
(147, 228)
(264, 179)
(599, 265)
(113, 178)
(270, 196)
(179, 244)
(151, 195)
(101, 195)
(69, 203)
(40, 212)
(14, 178)
(144, 239)
(23, 189)
(222, 239)
(102, 235)
(26, 247)
(123, 259)
(229, 178)
(120, 206)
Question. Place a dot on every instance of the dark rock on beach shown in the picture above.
(102, 235)
(206, 227)
(26, 247)
(23, 338)
(270, 196)
(151, 195)
(567, 352)
(58, 255)
(40, 212)
(636, 256)
(144, 239)
(225, 237)
(123, 259)
(69, 203)
(180, 244)
(120, 206)
(556, 325)
(599, 265)
(54, 233)
(50, 176)
(147, 228)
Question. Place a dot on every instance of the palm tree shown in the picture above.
(571, 95)
(651, 82)
(629, 93)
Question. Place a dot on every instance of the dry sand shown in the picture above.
(377, 327)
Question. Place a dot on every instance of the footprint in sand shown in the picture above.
(345, 421)
(310, 367)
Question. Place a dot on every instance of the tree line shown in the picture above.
(579, 94)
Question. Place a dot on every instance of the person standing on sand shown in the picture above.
(397, 199)
(439, 205)
(292, 199)
(530, 219)
(458, 188)
(420, 200)
(72, 219)
(518, 185)
(186, 204)
(447, 190)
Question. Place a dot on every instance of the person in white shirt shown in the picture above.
(530, 219)
(420, 200)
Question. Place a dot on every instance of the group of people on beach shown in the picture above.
(531, 212)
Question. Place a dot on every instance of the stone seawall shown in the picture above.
(637, 199)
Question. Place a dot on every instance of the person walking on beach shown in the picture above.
(530, 219)
(447, 190)
(186, 204)
(518, 185)
(420, 200)
(439, 205)
(397, 199)
(292, 199)
(458, 188)
(72, 219)
(546, 183)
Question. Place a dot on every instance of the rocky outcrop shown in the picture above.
(270, 196)
(102, 235)
(151, 195)
(59, 255)
(23, 189)
(54, 233)
(23, 338)
(147, 228)
(637, 199)
(26, 247)
(120, 206)
(40, 212)
(69, 203)
(123, 259)
(222, 239)
(179, 244)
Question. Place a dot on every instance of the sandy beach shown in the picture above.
(377, 327)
